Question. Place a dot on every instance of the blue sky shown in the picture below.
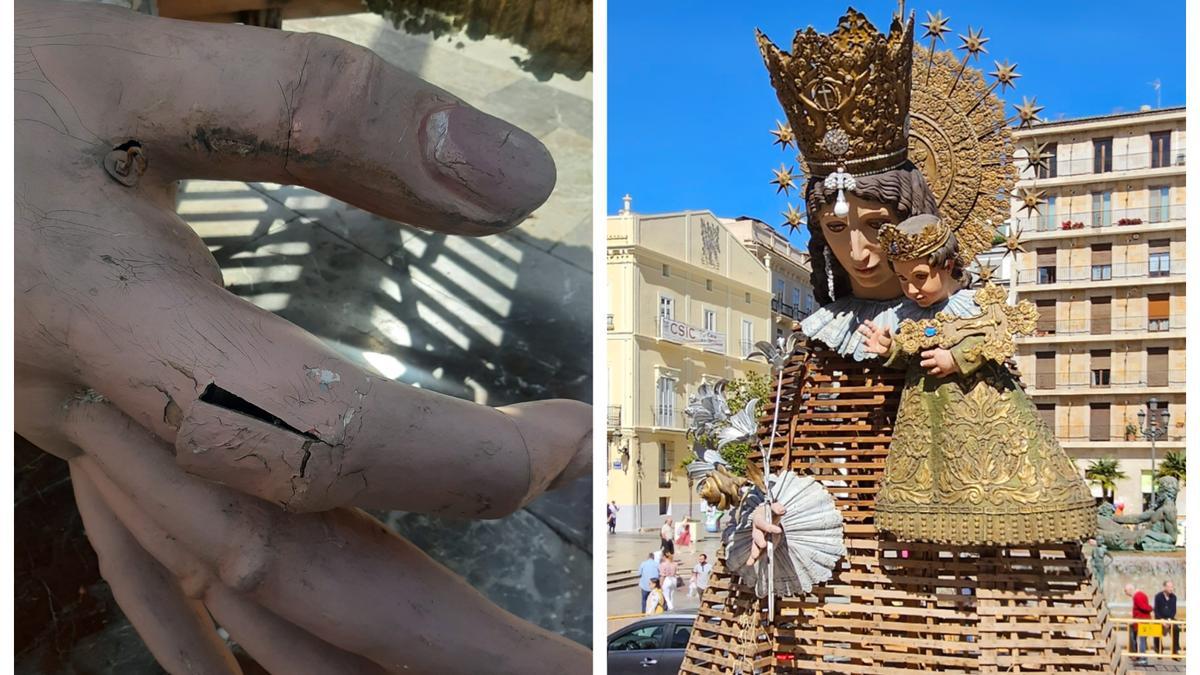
(689, 101)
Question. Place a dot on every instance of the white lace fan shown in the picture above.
(808, 550)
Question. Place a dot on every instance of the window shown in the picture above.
(665, 408)
(1101, 367)
(1102, 208)
(708, 284)
(666, 306)
(1046, 411)
(747, 298)
(664, 506)
(795, 299)
(1147, 489)
(666, 270)
(1157, 360)
(1160, 149)
(1047, 316)
(1160, 257)
(747, 337)
(646, 637)
(1160, 204)
(1051, 168)
(609, 321)
(808, 303)
(710, 320)
(1102, 155)
(1047, 265)
(1159, 312)
(1043, 371)
(1100, 426)
(1101, 315)
(779, 290)
(679, 639)
(1049, 220)
(664, 465)
(1101, 262)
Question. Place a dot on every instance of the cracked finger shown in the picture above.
(268, 557)
(253, 401)
(175, 628)
(244, 103)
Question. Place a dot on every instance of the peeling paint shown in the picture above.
(324, 377)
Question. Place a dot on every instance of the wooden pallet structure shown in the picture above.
(894, 607)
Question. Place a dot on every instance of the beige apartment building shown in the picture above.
(791, 273)
(686, 300)
(1105, 264)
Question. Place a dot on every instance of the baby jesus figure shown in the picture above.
(971, 461)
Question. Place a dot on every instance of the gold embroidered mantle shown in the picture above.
(973, 463)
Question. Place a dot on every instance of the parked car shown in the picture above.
(651, 646)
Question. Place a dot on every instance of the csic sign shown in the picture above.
(678, 331)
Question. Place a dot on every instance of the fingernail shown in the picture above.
(493, 164)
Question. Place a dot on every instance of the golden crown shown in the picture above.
(900, 246)
(846, 94)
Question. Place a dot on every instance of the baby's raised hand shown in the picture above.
(939, 362)
(879, 340)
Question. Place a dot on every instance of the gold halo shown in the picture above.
(960, 141)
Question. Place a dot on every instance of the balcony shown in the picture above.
(1082, 433)
(1078, 382)
(664, 478)
(1158, 268)
(1130, 161)
(1119, 327)
(790, 311)
(614, 416)
(1070, 221)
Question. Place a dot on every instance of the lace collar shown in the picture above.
(836, 324)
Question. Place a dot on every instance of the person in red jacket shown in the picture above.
(1141, 610)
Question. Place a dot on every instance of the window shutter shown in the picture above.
(1156, 366)
(1101, 254)
(1100, 430)
(1159, 306)
(1101, 316)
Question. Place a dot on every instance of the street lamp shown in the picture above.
(1153, 431)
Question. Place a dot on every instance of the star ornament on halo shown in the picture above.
(1037, 156)
(1013, 243)
(987, 272)
(1006, 74)
(783, 135)
(1028, 111)
(1031, 200)
(936, 26)
(795, 218)
(973, 42)
(785, 179)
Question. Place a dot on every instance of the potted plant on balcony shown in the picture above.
(1131, 431)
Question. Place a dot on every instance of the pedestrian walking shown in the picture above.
(668, 574)
(647, 575)
(685, 535)
(654, 599)
(612, 517)
(700, 576)
(667, 534)
(1141, 610)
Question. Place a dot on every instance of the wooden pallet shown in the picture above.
(896, 607)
